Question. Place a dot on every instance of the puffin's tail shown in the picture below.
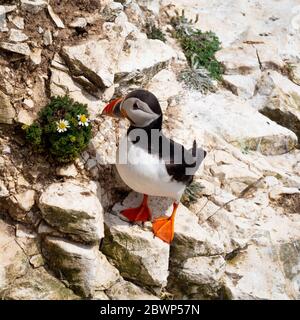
(198, 155)
(194, 149)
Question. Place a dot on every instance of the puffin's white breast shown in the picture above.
(146, 173)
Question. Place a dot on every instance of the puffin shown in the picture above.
(149, 162)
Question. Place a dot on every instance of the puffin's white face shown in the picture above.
(140, 107)
(137, 112)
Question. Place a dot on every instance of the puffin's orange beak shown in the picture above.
(110, 109)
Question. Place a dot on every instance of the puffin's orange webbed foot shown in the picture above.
(163, 227)
(141, 213)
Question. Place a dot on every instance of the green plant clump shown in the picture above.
(192, 193)
(199, 47)
(63, 129)
(154, 33)
(198, 79)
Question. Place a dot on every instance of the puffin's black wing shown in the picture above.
(181, 164)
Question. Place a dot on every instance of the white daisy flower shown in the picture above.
(83, 120)
(62, 125)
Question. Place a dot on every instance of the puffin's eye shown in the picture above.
(135, 106)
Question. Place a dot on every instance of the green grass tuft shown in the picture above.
(197, 79)
(199, 47)
(154, 33)
(192, 194)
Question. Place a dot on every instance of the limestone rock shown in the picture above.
(18, 22)
(25, 117)
(4, 9)
(74, 210)
(13, 261)
(125, 290)
(244, 280)
(95, 60)
(237, 172)
(282, 99)
(17, 36)
(79, 22)
(36, 56)
(236, 122)
(198, 278)
(276, 192)
(56, 19)
(191, 239)
(241, 85)
(254, 29)
(289, 256)
(38, 284)
(20, 204)
(47, 38)
(100, 295)
(7, 9)
(295, 73)
(23, 232)
(62, 83)
(28, 103)
(45, 229)
(104, 144)
(165, 86)
(135, 252)
(67, 171)
(128, 29)
(140, 63)
(83, 267)
(26, 199)
(37, 261)
(33, 6)
(153, 5)
(235, 229)
(90, 164)
(269, 57)
(7, 112)
(3, 190)
(21, 49)
(239, 60)
(112, 9)
(135, 13)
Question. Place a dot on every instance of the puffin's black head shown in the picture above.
(140, 107)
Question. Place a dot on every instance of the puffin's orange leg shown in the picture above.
(163, 227)
(141, 213)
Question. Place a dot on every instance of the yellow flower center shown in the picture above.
(83, 118)
(62, 125)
